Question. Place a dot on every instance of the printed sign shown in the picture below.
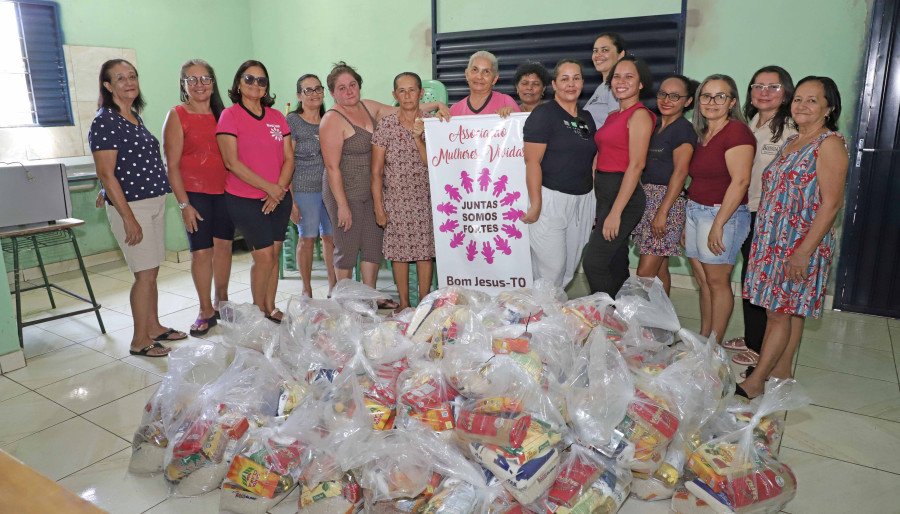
(478, 196)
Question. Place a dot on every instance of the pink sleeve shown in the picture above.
(459, 108)
(226, 124)
(511, 103)
(282, 121)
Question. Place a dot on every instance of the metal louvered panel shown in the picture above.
(46, 64)
(659, 40)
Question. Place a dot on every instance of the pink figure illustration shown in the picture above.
(500, 186)
(449, 226)
(487, 252)
(512, 231)
(513, 215)
(457, 240)
(446, 208)
(502, 245)
(510, 198)
(466, 182)
(484, 180)
(453, 192)
(471, 250)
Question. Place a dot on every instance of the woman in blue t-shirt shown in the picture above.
(130, 167)
(658, 234)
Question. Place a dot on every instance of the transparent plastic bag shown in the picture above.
(644, 301)
(588, 312)
(424, 396)
(523, 306)
(736, 472)
(339, 494)
(588, 482)
(431, 305)
(358, 298)
(246, 326)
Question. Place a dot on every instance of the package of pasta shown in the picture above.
(424, 396)
(523, 306)
(263, 472)
(588, 312)
(339, 494)
(649, 424)
(736, 472)
(430, 315)
(588, 482)
(245, 325)
(191, 367)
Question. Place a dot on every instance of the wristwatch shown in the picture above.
(181, 205)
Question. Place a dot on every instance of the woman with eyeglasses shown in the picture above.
(793, 245)
(531, 80)
(718, 220)
(608, 48)
(622, 144)
(768, 107)
(309, 212)
(658, 235)
(197, 176)
(256, 148)
(559, 155)
(130, 167)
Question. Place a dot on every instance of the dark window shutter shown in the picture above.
(46, 65)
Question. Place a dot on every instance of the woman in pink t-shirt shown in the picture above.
(256, 148)
(481, 75)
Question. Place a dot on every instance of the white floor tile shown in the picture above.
(168, 303)
(851, 393)
(635, 506)
(98, 386)
(209, 502)
(156, 365)
(857, 333)
(28, 413)
(65, 448)
(116, 344)
(845, 358)
(85, 326)
(10, 389)
(39, 341)
(122, 416)
(108, 485)
(58, 365)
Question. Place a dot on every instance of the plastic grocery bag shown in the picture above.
(588, 312)
(245, 325)
(358, 298)
(431, 306)
(588, 482)
(737, 473)
(425, 396)
(643, 301)
(523, 306)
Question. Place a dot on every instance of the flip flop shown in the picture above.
(209, 322)
(165, 336)
(145, 351)
(387, 304)
(736, 344)
(739, 391)
(271, 316)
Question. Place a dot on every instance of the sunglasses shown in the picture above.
(309, 91)
(260, 81)
(203, 79)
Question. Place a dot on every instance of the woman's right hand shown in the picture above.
(715, 241)
(658, 225)
(190, 217)
(101, 199)
(295, 215)
(345, 218)
(275, 191)
(381, 217)
(133, 232)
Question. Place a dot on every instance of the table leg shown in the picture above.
(37, 252)
(18, 290)
(87, 281)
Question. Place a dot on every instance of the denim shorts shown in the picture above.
(699, 220)
(314, 220)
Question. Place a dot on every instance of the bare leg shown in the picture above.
(664, 276)
(774, 348)
(142, 297)
(369, 273)
(304, 262)
(342, 274)
(784, 368)
(718, 278)
(260, 272)
(655, 266)
(425, 270)
(401, 278)
(272, 281)
(221, 269)
(202, 273)
(705, 297)
(328, 254)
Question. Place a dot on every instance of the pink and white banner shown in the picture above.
(478, 198)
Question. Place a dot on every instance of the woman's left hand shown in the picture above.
(504, 111)
(795, 268)
(269, 204)
(443, 113)
(714, 241)
(418, 127)
(611, 226)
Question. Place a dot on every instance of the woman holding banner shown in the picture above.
(559, 154)
(481, 75)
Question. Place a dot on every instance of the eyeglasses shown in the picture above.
(772, 88)
(260, 81)
(203, 79)
(718, 98)
(309, 91)
(672, 97)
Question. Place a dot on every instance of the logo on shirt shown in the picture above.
(275, 132)
(770, 149)
(579, 127)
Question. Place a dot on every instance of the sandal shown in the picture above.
(739, 391)
(736, 344)
(271, 316)
(168, 335)
(145, 351)
(210, 322)
(387, 304)
(746, 358)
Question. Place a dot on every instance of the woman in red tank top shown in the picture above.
(197, 177)
(622, 144)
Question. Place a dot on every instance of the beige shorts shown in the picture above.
(151, 216)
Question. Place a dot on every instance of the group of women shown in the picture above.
(596, 175)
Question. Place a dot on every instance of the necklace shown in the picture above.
(485, 104)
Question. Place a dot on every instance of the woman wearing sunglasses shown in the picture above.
(559, 155)
(718, 221)
(197, 176)
(658, 235)
(256, 147)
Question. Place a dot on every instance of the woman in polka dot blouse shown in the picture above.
(130, 167)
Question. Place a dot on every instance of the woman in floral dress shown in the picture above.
(401, 191)
(803, 189)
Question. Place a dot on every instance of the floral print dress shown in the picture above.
(790, 200)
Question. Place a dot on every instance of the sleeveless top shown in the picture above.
(612, 139)
(308, 163)
(201, 166)
(356, 162)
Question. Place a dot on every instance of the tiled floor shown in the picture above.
(71, 412)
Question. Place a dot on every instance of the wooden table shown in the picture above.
(25, 491)
(20, 238)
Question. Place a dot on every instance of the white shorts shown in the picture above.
(559, 235)
(150, 214)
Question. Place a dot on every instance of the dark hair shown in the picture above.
(690, 84)
(339, 69)
(215, 101)
(532, 68)
(566, 60)
(299, 109)
(415, 77)
(106, 97)
(617, 40)
(832, 96)
(235, 92)
(644, 74)
(783, 115)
